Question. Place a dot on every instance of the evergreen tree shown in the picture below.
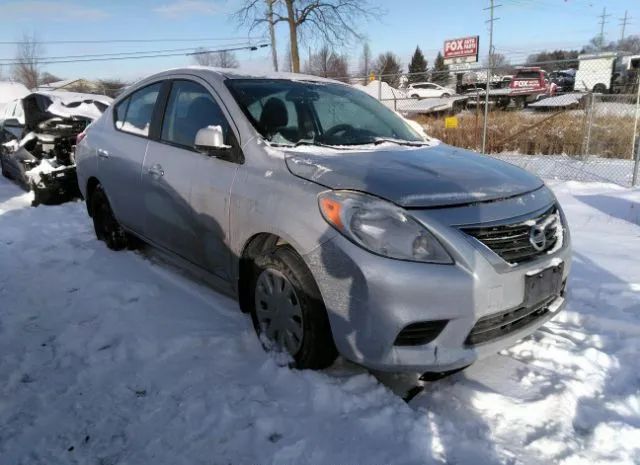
(440, 74)
(417, 67)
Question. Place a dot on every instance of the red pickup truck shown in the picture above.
(529, 85)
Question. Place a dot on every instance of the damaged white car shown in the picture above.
(38, 136)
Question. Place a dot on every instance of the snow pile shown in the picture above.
(565, 168)
(381, 90)
(10, 91)
(113, 357)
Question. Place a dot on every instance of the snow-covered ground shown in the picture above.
(564, 168)
(116, 358)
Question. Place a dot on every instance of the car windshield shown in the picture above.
(289, 112)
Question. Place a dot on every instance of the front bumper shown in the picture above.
(371, 299)
(56, 187)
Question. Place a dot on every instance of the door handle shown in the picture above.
(156, 171)
(102, 153)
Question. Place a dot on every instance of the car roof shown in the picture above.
(229, 73)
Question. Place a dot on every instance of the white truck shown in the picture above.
(607, 72)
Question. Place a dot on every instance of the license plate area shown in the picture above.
(541, 285)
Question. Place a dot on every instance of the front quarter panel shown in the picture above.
(267, 198)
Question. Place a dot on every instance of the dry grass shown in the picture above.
(538, 133)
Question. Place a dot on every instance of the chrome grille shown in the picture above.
(512, 241)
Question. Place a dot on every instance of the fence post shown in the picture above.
(590, 111)
(635, 145)
(380, 88)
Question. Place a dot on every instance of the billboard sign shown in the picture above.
(463, 50)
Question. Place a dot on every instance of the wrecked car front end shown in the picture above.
(42, 158)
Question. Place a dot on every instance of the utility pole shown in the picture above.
(492, 19)
(603, 20)
(623, 22)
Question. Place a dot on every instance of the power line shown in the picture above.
(158, 55)
(114, 41)
(98, 55)
(623, 22)
(603, 20)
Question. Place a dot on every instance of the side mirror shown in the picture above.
(210, 140)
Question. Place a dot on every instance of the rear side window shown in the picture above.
(190, 108)
(133, 114)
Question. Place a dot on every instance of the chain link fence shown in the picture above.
(569, 120)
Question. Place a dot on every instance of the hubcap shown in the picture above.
(278, 311)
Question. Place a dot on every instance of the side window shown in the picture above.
(190, 108)
(134, 113)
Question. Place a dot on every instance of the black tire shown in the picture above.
(105, 224)
(5, 173)
(600, 89)
(416, 96)
(445, 95)
(317, 348)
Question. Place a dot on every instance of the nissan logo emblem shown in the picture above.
(537, 237)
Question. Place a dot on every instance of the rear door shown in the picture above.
(186, 193)
(121, 147)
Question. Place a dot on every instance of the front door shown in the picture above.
(186, 192)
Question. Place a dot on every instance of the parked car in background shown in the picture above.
(38, 135)
(428, 90)
(339, 227)
(564, 80)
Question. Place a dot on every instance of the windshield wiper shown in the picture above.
(382, 140)
(310, 143)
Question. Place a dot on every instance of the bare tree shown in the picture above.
(327, 63)
(331, 20)
(498, 63)
(222, 59)
(287, 61)
(27, 67)
(389, 67)
(48, 78)
(111, 87)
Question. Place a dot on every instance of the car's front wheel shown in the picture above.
(288, 312)
(105, 224)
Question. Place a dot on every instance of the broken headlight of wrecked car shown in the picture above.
(381, 227)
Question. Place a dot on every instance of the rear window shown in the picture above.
(528, 75)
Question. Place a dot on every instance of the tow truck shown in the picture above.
(528, 85)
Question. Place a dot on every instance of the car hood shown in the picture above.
(411, 177)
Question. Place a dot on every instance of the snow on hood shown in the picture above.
(413, 177)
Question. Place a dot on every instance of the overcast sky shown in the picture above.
(524, 26)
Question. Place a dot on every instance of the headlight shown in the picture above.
(380, 227)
